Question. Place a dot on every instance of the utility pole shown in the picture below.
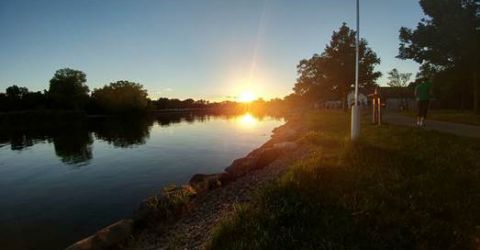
(355, 120)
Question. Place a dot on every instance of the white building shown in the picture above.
(362, 99)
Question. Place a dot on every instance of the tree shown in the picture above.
(188, 103)
(400, 81)
(447, 40)
(14, 97)
(121, 97)
(68, 89)
(397, 79)
(332, 74)
(15, 92)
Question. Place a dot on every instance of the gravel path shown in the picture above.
(441, 126)
(194, 228)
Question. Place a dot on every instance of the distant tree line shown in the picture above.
(68, 92)
(258, 106)
(20, 98)
(175, 103)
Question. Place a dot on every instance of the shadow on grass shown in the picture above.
(395, 188)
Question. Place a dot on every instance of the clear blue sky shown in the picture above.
(179, 48)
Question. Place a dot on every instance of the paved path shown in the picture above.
(447, 127)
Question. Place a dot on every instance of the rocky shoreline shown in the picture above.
(177, 212)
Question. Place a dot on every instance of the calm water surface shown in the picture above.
(62, 183)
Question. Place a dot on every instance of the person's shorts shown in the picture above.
(422, 108)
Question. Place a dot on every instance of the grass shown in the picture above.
(465, 117)
(395, 188)
(170, 203)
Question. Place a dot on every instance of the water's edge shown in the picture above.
(169, 204)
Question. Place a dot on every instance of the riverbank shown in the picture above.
(172, 204)
(395, 188)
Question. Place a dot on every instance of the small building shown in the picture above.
(362, 98)
(335, 104)
(398, 98)
(339, 104)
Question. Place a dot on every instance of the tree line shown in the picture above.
(68, 91)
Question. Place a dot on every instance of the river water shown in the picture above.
(61, 183)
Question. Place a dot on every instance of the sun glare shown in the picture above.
(247, 120)
(246, 96)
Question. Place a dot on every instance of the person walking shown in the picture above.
(422, 94)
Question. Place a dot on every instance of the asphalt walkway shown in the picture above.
(447, 127)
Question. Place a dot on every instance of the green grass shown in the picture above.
(395, 188)
(466, 117)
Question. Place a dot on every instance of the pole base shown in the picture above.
(355, 122)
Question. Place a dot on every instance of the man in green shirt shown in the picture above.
(422, 94)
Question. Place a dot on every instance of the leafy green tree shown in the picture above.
(68, 89)
(400, 81)
(162, 103)
(447, 40)
(15, 92)
(121, 97)
(20, 98)
(188, 103)
(397, 79)
(3, 102)
(332, 73)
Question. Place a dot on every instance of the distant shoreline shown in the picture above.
(35, 117)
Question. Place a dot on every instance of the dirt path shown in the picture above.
(193, 229)
(441, 126)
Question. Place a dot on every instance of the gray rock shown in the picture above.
(226, 178)
(164, 206)
(82, 244)
(114, 234)
(200, 178)
(284, 133)
(202, 182)
(240, 167)
(266, 157)
(109, 237)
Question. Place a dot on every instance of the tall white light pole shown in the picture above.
(355, 122)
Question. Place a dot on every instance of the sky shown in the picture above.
(212, 50)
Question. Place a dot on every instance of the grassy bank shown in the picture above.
(396, 188)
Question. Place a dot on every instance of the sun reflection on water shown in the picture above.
(247, 120)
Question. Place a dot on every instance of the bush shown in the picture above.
(121, 97)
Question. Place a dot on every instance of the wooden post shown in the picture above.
(379, 111)
(376, 107)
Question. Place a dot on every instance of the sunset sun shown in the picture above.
(246, 96)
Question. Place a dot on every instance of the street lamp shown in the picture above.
(355, 120)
